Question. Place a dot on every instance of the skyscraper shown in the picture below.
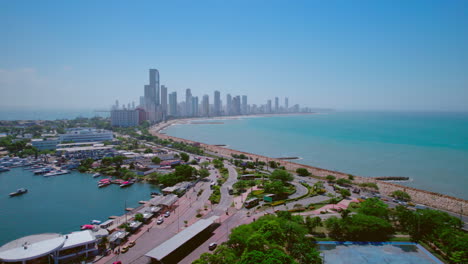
(195, 106)
(188, 102)
(268, 106)
(244, 105)
(217, 103)
(154, 84)
(164, 100)
(173, 104)
(228, 104)
(236, 105)
(205, 105)
(276, 105)
(286, 104)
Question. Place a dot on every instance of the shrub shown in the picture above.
(302, 172)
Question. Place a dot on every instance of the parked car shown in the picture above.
(124, 249)
(167, 214)
(212, 246)
(117, 262)
(160, 221)
(131, 244)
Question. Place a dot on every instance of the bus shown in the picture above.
(251, 203)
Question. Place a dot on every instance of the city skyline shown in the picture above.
(411, 57)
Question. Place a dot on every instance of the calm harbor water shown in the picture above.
(60, 204)
(430, 148)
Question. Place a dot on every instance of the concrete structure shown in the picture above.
(45, 144)
(286, 104)
(166, 248)
(217, 103)
(86, 134)
(49, 248)
(195, 111)
(236, 106)
(268, 107)
(125, 117)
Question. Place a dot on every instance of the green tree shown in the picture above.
(302, 172)
(139, 217)
(345, 193)
(273, 164)
(184, 156)
(203, 173)
(401, 195)
(374, 207)
(343, 182)
(156, 160)
(330, 178)
(148, 150)
(275, 187)
(281, 175)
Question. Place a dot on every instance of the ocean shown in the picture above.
(430, 148)
(60, 204)
(47, 114)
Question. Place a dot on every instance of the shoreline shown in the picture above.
(432, 199)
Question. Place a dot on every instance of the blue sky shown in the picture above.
(395, 55)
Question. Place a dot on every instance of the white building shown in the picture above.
(49, 248)
(43, 144)
(86, 134)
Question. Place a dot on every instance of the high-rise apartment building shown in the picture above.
(244, 105)
(164, 100)
(286, 104)
(217, 103)
(268, 106)
(195, 111)
(154, 84)
(173, 104)
(276, 104)
(188, 102)
(236, 105)
(206, 105)
(228, 104)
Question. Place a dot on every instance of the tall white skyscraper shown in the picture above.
(164, 100)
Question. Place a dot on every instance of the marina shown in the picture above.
(61, 204)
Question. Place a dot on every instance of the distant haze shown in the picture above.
(383, 55)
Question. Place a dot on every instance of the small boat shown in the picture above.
(126, 184)
(3, 169)
(87, 227)
(19, 192)
(56, 173)
(95, 222)
(103, 184)
(96, 175)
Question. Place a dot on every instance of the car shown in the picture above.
(124, 249)
(117, 262)
(167, 214)
(160, 221)
(212, 246)
(131, 244)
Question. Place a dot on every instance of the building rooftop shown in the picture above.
(181, 238)
(79, 238)
(31, 247)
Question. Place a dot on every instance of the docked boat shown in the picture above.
(87, 227)
(3, 169)
(96, 175)
(56, 173)
(126, 184)
(19, 192)
(95, 222)
(103, 184)
(43, 171)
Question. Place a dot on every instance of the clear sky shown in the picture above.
(397, 55)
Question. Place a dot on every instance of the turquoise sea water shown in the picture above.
(430, 148)
(60, 204)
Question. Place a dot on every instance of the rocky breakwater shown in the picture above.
(435, 200)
